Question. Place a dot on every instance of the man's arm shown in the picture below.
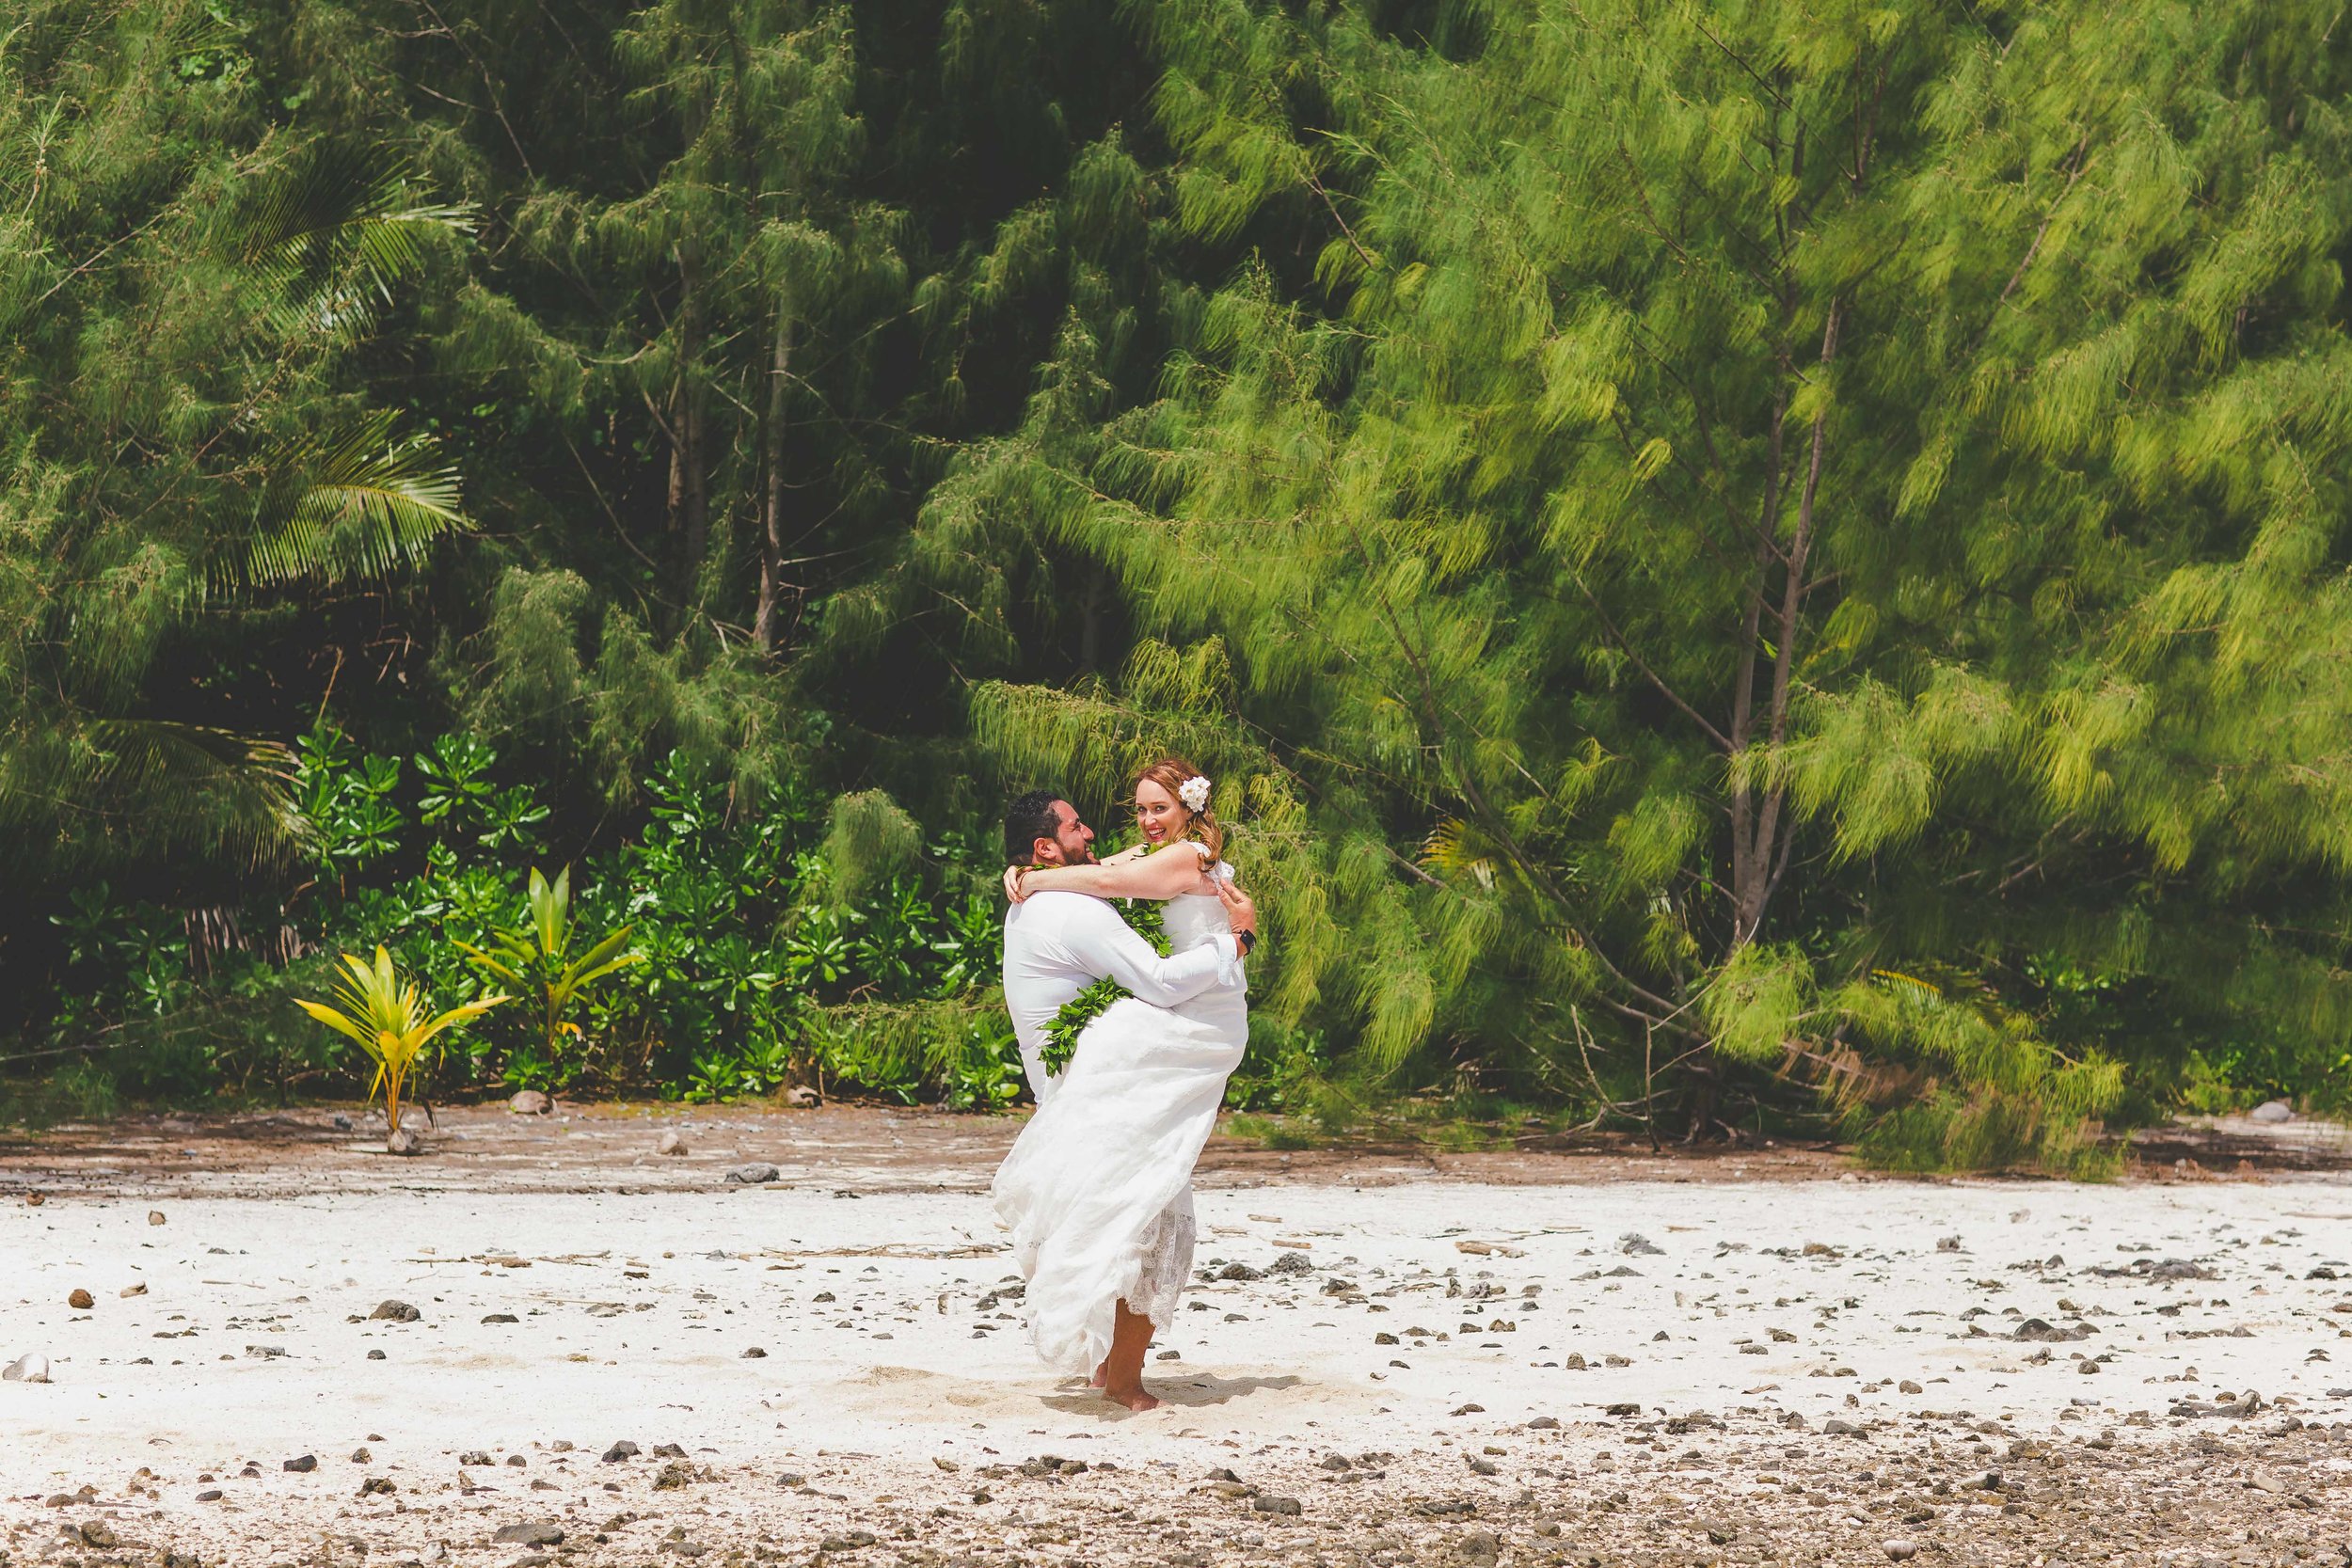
(1105, 945)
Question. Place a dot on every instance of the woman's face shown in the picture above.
(1160, 814)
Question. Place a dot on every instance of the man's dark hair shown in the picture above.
(1030, 817)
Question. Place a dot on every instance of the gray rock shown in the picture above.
(1836, 1428)
(753, 1353)
(1267, 1502)
(1635, 1244)
(2035, 1329)
(395, 1312)
(499, 1318)
(1899, 1549)
(620, 1451)
(752, 1175)
(360, 1456)
(302, 1465)
(531, 1532)
(28, 1368)
(2272, 1110)
(375, 1355)
(530, 1103)
(1292, 1263)
(1240, 1270)
(404, 1142)
(473, 1456)
(669, 1143)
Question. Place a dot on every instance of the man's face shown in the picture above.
(1073, 842)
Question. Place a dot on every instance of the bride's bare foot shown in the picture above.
(1134, 1399)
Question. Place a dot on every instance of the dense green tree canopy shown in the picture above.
(1728, 562)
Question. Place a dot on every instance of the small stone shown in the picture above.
(97, 1532)
(499, 1318)
(395, 1312)
(1623, 1407)
(475, 1457)
(1240, 1270)
(1836, 1428)
(1908, 1386)
(753, 1353)
(531, 1532)
(376, 1484)
(210, 1494)
(669, 1143)
(1899, 1549)
(1292, 1263)
(1635, 1244)
(620, 1451)
(668, 1450)
(1471, 1410)
(753, 1175)
(301, 1465)
(1479, 1467)
(375, 1355)
(674, 1476)
(848, 1541)
(516, 1461)
(155, 1217)
(1267, 1502)
(1947, 1243)
(360, 1456)
(530, 1103)
(403, 1142)
(1544, 1423)
(81, 1301)
(2272, 1110)
(130, 1291)
(27, 1369)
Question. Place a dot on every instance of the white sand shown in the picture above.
(633, 1311)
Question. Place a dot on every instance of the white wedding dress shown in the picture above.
(1097, 1191)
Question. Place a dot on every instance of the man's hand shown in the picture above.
(1241, 910)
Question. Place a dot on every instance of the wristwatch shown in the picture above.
(1246, 941)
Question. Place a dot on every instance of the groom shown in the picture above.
(1059, 943)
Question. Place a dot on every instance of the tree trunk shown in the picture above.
(772, 584)
(687, 494)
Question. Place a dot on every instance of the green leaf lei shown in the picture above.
(1147, 918)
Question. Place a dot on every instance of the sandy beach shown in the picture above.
(544, 1341)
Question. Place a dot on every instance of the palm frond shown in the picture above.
(192, 787)
(333, 229)
(357, 504)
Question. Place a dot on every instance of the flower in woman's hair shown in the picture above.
(1194, 792)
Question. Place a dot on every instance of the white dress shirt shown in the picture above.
(1059, 943)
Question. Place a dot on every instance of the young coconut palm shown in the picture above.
(538, 957)
(388, 1020)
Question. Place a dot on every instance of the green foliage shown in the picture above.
(1733, 567)
(537, 959)
(389, 1020)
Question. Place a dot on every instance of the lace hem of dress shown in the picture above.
(1165, 1253)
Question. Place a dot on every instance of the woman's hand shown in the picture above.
(1241, 910)
(1012, 883)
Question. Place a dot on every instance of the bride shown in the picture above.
(1098, 1188)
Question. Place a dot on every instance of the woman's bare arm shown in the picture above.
(1156, 875)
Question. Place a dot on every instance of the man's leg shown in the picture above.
(1122, 1370)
